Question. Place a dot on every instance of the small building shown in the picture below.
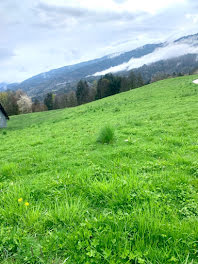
(3, 117)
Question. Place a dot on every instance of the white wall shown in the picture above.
(3, 121)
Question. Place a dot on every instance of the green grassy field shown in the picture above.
(131, 201)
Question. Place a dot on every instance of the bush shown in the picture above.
(106, 135)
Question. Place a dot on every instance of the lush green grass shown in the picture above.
(131, 201)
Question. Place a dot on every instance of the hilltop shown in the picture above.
(65, 198)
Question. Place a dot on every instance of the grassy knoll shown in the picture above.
(133, 200)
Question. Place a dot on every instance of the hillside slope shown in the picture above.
(132, 201)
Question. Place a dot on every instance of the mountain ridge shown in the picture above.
(64, 79)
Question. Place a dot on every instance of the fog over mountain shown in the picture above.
(167, 51)
(159, 58)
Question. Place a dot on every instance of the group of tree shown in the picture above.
(17, 102)
(107, 85)
(87, 92)
(53, 101)
(111, 84)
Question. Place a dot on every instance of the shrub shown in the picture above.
(106, 135)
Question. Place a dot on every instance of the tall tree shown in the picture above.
(108, 85)
(9, 102)
(103, 88)
(140, 81)
(49, 100)
(132, 80)
(24, 104)
(82, 92)
(124, 84)
(72, 100)
(37, 106)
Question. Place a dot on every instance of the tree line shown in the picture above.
(86, 92)
(17, 102)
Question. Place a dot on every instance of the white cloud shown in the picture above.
(38, 35)
(151, 6)
(192, 17)
(167, 52)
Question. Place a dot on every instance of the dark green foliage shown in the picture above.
(132, 80)
(140, 81)
(9, 101)
(103, 88)
(112, 84)
(108, 85)
(106, 135)
(82, 92)
(48, 101)
(11, 106)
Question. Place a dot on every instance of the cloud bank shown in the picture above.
(167, 52)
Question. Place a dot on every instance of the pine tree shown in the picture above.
(82, 92)
(48, 101)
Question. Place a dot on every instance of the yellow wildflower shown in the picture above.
(27, 204)
(20, 200)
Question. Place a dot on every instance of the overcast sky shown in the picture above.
(39, 35)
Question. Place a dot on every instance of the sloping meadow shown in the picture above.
(68, 198)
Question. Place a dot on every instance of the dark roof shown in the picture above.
(4, 112)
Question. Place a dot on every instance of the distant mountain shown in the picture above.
(64, 79)
(190, 39)
(150, 56)
(183, 46)
(3, 87)
(186, 64)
